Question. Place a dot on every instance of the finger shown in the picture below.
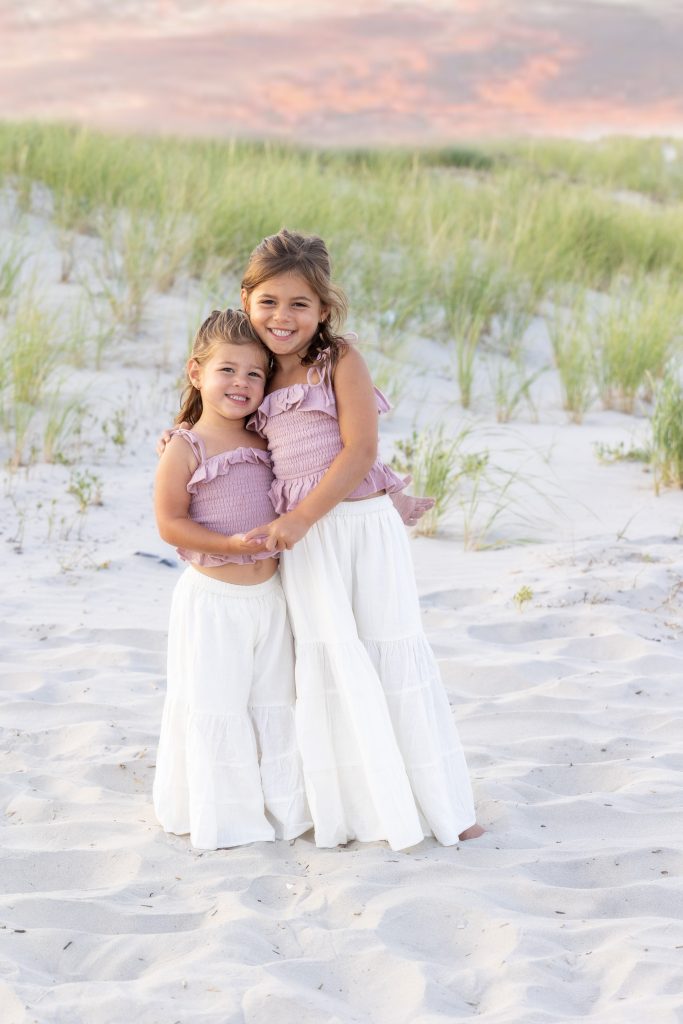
(258, 532)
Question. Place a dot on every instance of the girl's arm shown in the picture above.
(357, 412)
(172, 505)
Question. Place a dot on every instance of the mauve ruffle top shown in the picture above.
(300, 424)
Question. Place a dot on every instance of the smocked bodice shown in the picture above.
(301, 426)
(230, 494)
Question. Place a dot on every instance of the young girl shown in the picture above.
(228, 770)
(381, 755)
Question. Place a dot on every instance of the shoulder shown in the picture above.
(350, 366)
(353, 391)
(181, 454)
(350, 361)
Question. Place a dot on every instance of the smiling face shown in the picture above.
(232, 381)
(285, 313)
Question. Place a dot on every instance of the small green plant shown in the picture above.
(487, 492)
(63, 419)
(116, 428)
(618, 452)
(17, 538)
(31, 351)
(667, 434)
(523, 596)
(436, 465)
(86, 488)
(28, 357)
(511, 385)
(11, 263)
(635, 339)
(574, 360)
(473, 290)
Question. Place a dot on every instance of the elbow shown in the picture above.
(166, 531)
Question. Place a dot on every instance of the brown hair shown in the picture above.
(222, 325)
(307, 255)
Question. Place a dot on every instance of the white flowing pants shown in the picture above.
(228, 770)
(380, 751)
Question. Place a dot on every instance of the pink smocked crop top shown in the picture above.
(230, 494)
(301, 426)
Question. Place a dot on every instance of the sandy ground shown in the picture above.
(569, 908)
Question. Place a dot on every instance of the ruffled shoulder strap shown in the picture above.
(195, 442)
(383, 403)
(319, 374)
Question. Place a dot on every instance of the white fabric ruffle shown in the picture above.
(228, 769)
(380, 751)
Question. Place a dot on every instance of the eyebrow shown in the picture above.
(229, 362)
(295, 298)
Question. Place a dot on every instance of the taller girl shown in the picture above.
(381, 755)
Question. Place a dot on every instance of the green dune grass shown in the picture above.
(461, 244)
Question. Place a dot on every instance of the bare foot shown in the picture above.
(473, 832)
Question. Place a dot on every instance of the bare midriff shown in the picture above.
(364, 497)
(246, 575)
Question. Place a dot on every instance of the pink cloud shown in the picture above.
(353, 73)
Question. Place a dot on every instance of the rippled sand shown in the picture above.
(569, 708)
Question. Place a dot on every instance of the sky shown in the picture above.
(348, 73)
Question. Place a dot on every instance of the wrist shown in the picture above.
(230, 544)
(300, 515)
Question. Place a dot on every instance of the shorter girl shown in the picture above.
(228, 770)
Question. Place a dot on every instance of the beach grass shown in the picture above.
(571, 335)
(636, 337)
(667, 432)
(436, 463)
(462, 244)
(12, 259)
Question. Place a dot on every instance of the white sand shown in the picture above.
(568, 908)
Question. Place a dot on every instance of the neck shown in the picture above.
(220, 426)
(289, 363)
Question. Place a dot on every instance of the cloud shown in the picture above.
(351, 72)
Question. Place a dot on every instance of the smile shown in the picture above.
(237, 398)
(279, 333)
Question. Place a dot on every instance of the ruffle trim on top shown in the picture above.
(286, 494)
(213, 561)
(209, 469)
(219, 465)
(315, 396)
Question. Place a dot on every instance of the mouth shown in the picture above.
(242, 399)
(276, 332)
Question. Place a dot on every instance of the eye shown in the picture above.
(228, 369)
(255, 373)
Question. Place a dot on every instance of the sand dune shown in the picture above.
(570, 708)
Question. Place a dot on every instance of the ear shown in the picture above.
(244, 296)
(324, 314)
(194, 372)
